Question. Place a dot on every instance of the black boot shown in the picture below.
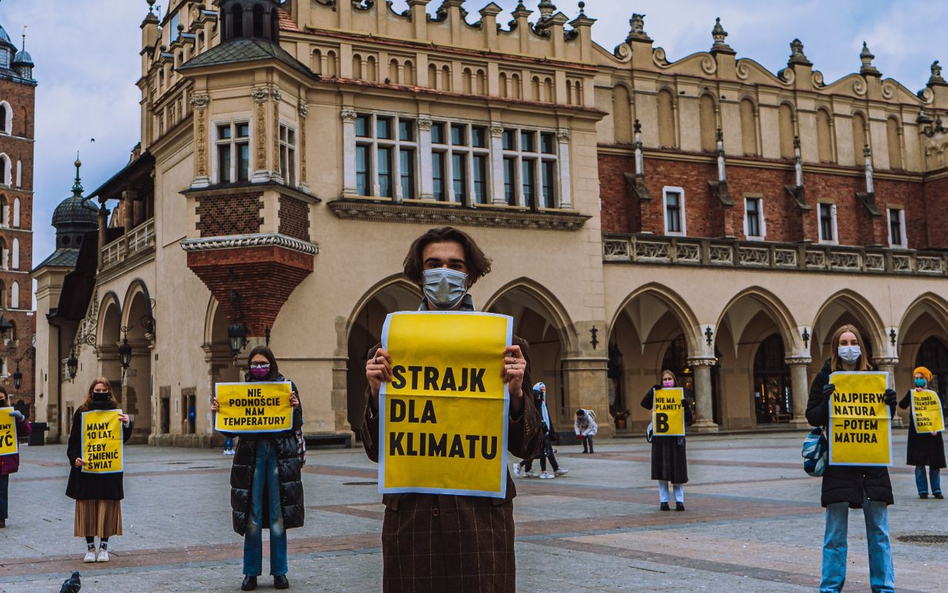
(249, 584)
(679, 506)
(664, 506)
(280, 582)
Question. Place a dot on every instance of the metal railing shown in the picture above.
(657, 249)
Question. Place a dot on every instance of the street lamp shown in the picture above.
(72, 365)
(237, 336)
(125, 354)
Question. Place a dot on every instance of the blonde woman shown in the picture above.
(852, 487)
(98, 496)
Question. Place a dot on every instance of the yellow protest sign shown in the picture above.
(254, 407)
(102, 442)
(860, 431)
(927, 412)
(443, 416)
(668, 412)
(8, 444)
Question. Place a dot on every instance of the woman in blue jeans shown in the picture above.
(266, 484)
(846, 487)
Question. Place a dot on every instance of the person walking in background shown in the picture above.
(546, 449)
(267, 468)
(98, 496)
(10, 464)
(669, 458)
(228, 445)
(925, 449)
(525, 467)
(848, 486)
(586, 428)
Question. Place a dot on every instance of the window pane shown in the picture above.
(223, 132)
(383, 128)
(548, 145)
(480, 179)
(753, 218)
(459, 175)
(291, 170)
(826, 222)
(437, 172)
(437, 134)
(362, 126)
(243, 130)
(478, 137)
(895, 226)
(529, 182)
(406, 130)
(510, 180)
(407, 173)
(673, 212)
(549, 183)
(457, 135)
(223, 163)
(243, 161)
(362, 170)
(510, 140)
(526, 141)
(385, 172)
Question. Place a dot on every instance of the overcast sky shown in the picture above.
(87, 62)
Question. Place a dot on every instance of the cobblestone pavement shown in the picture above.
(753, 524)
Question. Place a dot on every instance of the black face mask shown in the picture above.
(100, 397)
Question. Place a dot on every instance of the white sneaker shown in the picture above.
(546, 476)
(516, 470)
(90, 556)
(561, 472)
(530, 474)
(103, 555)
(226, 452)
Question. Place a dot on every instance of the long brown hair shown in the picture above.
(667, 372)
(85, 405)
(863, 364)
(477, 263)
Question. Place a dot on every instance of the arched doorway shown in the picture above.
(539, 321)
(676, 361)
(365, 331)
(933, 355)
(221, 367)
(842, 309)
(137, 392)
(773, 393)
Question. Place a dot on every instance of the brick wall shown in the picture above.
(229, 214)
(294, 217)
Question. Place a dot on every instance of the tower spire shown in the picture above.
(77, 186)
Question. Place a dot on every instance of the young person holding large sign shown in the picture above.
(267, 465)
(13, 426)
(431, 542)
(669, 459)
(925, 444)
(852, 486)
(98, 494)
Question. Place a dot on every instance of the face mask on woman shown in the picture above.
(444, 288)
(850, 354)
(259, 371)
(668, 383)
(919, 382)
(100, 396)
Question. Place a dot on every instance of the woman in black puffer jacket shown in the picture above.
(266, 483)
(845, 487)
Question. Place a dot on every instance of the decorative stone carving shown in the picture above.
(929, 265)
(200, 101)
(936, 78)
(276, 95)
(248, 241)
(866, 57)
(496, 130)
(845, 260)
(753, 256)
(563, 135)
(425, 123)
(796, 54)
(349, 116)
(303, 109)
(687, 253)
(719, 35)
(260, 94)
(785, 258)
(721, 255)
(652, 250)
(637, 28)
(616, 250)
(875, 262)
(815, 259)
(200, 140)
(261, 125)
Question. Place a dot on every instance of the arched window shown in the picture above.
(274, 25)
(371, 69)
(503, 86)
(393, 71)
(15, 295)
(535, 89)
(708, 121)
(622, 114)
(409, 72)
(15, 255)
(748, 128)
(6, 115)
(580, 99)
(824, 136)
(317, 62)
(517, 92)
(480, 86)
(433, 76)
(859, 139)
(666, 119)
(331, 68)
(16, 212)
(6, 170)
(549, 91)
(258, 30)
(238, 22)
(447, 83)
(894, 140)
(4, 256)
(467, 79)
(356, 66)
(785, 121)
(19, 173)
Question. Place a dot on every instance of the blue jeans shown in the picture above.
(881, 569)
(4, 497)
(922, 484)
(228, 444)
(265, 479)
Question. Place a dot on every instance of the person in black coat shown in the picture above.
(845, 487)
(266, 483)
(927, 449)
(98, 496)
(669, 459)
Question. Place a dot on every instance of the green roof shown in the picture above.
(238, 51)
(62, 258)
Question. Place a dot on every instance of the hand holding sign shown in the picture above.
(102, 442)
(378, 370)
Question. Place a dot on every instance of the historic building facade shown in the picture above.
(17, 100)
(704, 214)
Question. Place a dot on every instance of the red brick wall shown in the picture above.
(294, 218)
(229, 214)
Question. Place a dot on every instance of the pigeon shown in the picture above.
(72, 584)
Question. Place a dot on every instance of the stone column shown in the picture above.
(349, 152)
(128, 199)
(800, 388)
(587, 386)
(497, 164)
(201, 170)
(424, 157)
(303, 110)
(566, 195)
(702, 373)
(887, 365)
(261, 173)
(103, 234)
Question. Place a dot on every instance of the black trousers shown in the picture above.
(546, 450)
(587, 444)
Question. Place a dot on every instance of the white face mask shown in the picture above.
(850, 354)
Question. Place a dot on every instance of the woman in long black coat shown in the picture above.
(669, 459)
(924, 449)
(98, 496)
(266, 483)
